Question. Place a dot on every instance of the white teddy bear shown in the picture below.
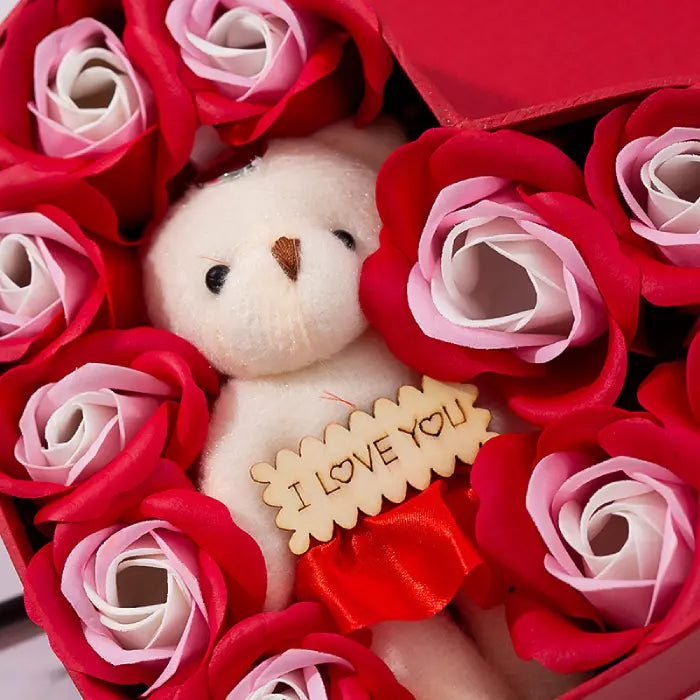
(260, 270)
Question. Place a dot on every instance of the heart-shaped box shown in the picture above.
(530, 65)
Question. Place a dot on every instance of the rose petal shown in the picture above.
(98, 101)
(275, 670)
(218, 48)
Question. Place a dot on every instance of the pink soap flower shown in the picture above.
(592, 523)
(88, 98)
(91, 96)
(620, 531)
(142, 598)
(72, 428)
(296, 653)
(492, 262)
(90, 423)
(272, 67)
(59, 272)
(253, 50)
(295, 670)
(138, 597)
(45, 276)
(492, 274)
(659, 178)
(643, 175)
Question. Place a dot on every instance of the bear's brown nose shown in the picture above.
(287, 253)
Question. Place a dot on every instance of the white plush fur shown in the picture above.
(288, 345)
(434, 660)
(256, 418)
(263, 323)
(531, 680)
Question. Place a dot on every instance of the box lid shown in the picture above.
(538, 63)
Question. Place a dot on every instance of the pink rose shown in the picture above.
(620, 531)
(45, 275)
(72, 428)
(141, 595)
(88, 98)
(478, 234)
(252, 50)
(659, 177)
(295, 670)
(136, 592)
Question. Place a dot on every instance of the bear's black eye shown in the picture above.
(215, 278)
(345, 237)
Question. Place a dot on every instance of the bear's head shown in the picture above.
(260, 268)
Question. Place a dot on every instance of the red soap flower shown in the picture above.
(60, 271)
(283, 69)
(88, 425)
(85, 95)
(593, 522)
(277, 649)
(491, 261)
(641, 175)
(141, 598)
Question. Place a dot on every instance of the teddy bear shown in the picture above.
(260, 270)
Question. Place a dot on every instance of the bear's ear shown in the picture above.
(372, 144)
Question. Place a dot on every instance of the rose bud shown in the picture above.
(92, 421)
(85, 101)
(296, 651)
(72, 428)
(253, 51)
(621, 531)
(89, 99)
(271, 67)
(491, 262)
(141, 601)
(59, 272)
(642, 174)
(599, 546)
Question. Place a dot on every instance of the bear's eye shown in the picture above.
(215, 278)
(346, 238)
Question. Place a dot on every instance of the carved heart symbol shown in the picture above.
(342, 471)
(433, 424)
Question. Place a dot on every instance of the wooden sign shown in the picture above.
(376, 457)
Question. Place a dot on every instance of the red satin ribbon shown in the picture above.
(404, 564)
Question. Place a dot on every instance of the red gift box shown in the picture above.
(532, 65)
(538, 63)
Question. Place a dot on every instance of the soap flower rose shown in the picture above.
(91, 422)
(83, 101)
(296, 651)
(599, 544)
(60, 274)
(492, 261)
(88, 98)
(642, 174)
(250, 50)
(142, 600)
(271, 66)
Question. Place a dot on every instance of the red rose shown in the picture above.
(90, 423)
(640, 175)
(276, 649)
(142, 598)
(86, 97)
(284, 69)
(491, 261)
(60, 272)
(593, 522)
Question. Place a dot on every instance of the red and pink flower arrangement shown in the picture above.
(571, 292)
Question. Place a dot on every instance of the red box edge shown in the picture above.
(536, 117)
